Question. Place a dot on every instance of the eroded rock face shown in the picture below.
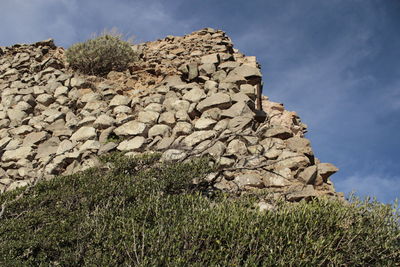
(189, 96)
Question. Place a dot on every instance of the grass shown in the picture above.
(144, 213)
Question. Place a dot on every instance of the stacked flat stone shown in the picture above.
(188, 96)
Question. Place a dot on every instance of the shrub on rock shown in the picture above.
(101, 55)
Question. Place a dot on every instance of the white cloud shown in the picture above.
(69, 21)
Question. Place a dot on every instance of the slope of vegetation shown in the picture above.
(144, 213)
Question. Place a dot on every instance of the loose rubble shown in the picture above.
(188, 96)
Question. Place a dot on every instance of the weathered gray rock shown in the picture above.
(45, 99)
(204, 124)
(210, 59)
(154, 107)
(149, 117)
(290, 160)
(238, 109)
(122, 109)
(165, 143)
(300, 145)
(17, 154)
(84, 133)
(306, 192)
(197, 137)
(249, 179)
(173, 155)
(159, 130)
(207, 69)
(167, 118)
(195, 95)
(34, 138)
(64, 146)
(16, 115)
(193, 71)
(276, 179)
(119, 100)
(217, 150)
(278, 131)
(103, 121)
(48, 147)
(229, 65)
(90, 145)
(246, 71)
(309, 175)
(182, 128)
(131, 128)
(132, 144)
(218, 100)
(4, 142)
(105, 148)
(236, 148)
(237, 124)
(326, 170)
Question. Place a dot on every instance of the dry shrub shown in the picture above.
(102, 54)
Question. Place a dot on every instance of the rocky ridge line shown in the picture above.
(188, 96)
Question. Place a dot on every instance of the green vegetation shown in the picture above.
(101, 55)
(144, 213)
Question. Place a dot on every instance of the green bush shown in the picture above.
(101, 55)
(144, 213)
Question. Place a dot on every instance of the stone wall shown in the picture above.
(188, 96)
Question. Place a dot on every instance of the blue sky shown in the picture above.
(335, 62)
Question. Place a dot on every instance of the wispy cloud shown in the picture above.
(384, 187)
(69, 21)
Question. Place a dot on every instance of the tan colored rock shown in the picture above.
(326, 170)
(182, 128)
(236, 148)
(90, 145)
(278, 131)
(16, 115)
(309, 175)
(238, 109)
(84, 133)
(64, 146)
(272, 179)
(204, 124)
(45, 99)
(300, 145)
(48, 147)
(237, 124)
(132, 144)
(103, 122)
(290, 160)
(173, 155)
(154, 107)
(197, 137)
(195, 95)
(249, 179)
(17, 154)
(159, 130)
(193, 71)
(131, 128)
(167, 118)
(34, 138)
(120, 100)
(218, 100)
(305, 192)
(210, 59)
(246, 71)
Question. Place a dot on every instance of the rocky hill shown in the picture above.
(187, 96)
